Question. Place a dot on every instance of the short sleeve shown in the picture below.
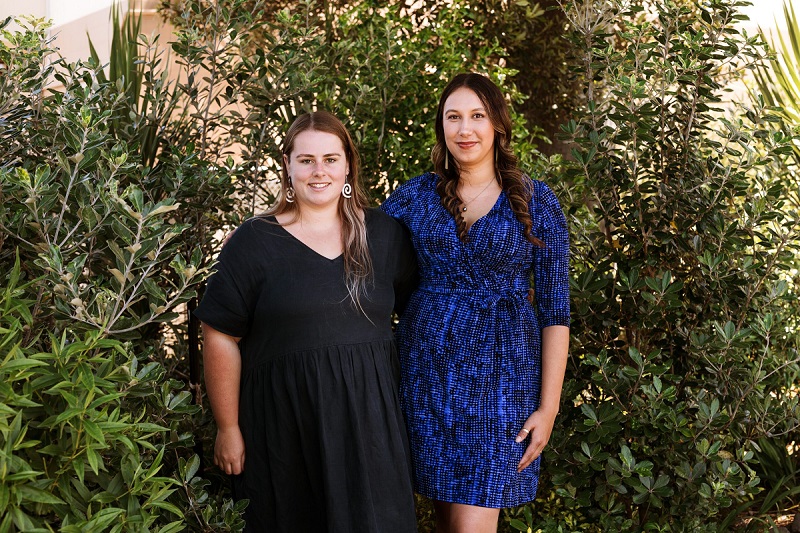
(406, 277)
(551, 263)
(230, 296)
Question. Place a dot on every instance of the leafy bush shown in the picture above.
(379, 68)
(684, 296)
(97, 255)
(78, 445)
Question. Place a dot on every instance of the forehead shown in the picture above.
(317, 142)
(463, 99)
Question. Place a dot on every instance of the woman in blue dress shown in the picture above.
(481, 368)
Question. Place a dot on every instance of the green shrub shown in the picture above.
(79, 447)
(377, 67)
(684, 345)
(96, 255)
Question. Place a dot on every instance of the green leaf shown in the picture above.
(627, 457)
(165, 506)
(94, 431)
(37, 495)
(94, 460)
(173, 527)
(189, 468)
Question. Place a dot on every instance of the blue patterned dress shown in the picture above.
(470, 342)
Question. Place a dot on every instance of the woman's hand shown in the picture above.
(538, 428)
(229, 450)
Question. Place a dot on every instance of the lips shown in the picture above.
(466, 145)
(318, 186)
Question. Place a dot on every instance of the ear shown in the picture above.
(286, 162)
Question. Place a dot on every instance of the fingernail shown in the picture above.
(518, 439)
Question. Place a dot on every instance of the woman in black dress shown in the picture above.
(300, 362)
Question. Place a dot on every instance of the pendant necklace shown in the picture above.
(465, 204)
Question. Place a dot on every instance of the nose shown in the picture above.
(465, 128)
(318, 168)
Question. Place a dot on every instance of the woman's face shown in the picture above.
(317, 168)
(468, 131)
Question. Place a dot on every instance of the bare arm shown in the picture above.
(223, 369)
(555, 347)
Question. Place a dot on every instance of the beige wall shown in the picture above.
(15, 8)
(73, 20)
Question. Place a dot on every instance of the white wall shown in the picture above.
(763, 13)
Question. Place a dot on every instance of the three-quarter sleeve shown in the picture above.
(230, 296)
(551, 263)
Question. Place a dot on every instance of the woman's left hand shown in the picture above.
(538, 428)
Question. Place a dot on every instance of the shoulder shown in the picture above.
(541, 193)
(249, 234)
(417, 184)
(381, 225)
(545, 208)
(410, 193)
(253, 227)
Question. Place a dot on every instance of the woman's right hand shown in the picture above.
(229, 450)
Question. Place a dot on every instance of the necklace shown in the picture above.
(465, 204)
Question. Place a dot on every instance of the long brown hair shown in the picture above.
(512, 180)
(357, 260)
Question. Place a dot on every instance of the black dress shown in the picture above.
(325, 443)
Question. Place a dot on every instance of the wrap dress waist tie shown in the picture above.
(513, 298)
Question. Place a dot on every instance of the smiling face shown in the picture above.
(317, 167)
(468, 131)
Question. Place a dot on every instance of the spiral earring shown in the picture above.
(347, 190)
(290, 192)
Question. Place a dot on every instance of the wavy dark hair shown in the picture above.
(512, 180)
(356, 256)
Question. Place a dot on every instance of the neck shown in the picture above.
(318, 216)
(474, 177)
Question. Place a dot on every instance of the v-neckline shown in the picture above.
(486, 214)
(306, 246)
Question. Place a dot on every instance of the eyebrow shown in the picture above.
(450, 110)
(325, 155)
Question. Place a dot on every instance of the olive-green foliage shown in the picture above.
(528, 36)
(97, 252)
(778, 85)
(684, 345)
(379, 69)
(83, 429)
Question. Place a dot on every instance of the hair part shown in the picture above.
(356, 256)
(512, 180)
